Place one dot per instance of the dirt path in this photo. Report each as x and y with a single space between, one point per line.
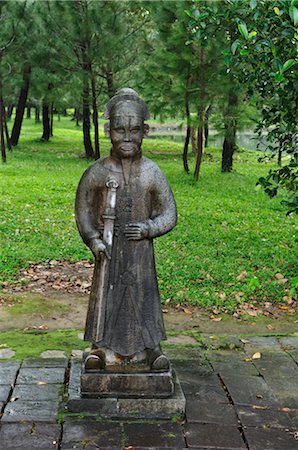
55 295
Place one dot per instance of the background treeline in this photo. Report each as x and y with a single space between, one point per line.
192 60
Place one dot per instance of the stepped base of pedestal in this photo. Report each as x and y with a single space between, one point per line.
114 396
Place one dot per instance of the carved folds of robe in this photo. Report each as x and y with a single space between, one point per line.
133 318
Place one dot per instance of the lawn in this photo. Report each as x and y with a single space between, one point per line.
232 243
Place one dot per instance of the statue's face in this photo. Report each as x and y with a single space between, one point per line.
126 130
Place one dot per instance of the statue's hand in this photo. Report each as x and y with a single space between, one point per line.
98 249
136 231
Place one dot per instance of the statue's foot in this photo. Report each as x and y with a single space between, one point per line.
157 359
95 361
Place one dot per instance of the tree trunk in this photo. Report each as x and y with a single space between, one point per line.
201 115
46 121
229 144
194 140
9 146
9 111
200 148
51 119
206 128
89 152
279 156
187 138
2 140
28 112
16 130
110 83
95 117
37 114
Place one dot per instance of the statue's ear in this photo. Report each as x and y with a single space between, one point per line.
146 129
106 129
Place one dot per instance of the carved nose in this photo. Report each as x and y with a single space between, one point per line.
127 137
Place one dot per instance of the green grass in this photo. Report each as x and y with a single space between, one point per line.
30 344
226 226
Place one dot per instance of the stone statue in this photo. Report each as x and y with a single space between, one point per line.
123 202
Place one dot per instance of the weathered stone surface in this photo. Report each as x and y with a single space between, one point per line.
4 392
153 408
103 407
270 439
154 435
290 342
8 371
232 362
276 365
91 434
183 353
53 354
25 436
210 412
127 384
213 436
199 364
44 362
264 418
38 392
260 343
249 390
43 374
206 392
7 353
124 407
29 411
182 339
193 381
285 389
77 354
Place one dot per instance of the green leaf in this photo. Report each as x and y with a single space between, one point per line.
243 29
243 51
278 77
252 34
253 4
276 10
234 47
288 64
293 11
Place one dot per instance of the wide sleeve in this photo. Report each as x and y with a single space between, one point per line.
87 206
164 213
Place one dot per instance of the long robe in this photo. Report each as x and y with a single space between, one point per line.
133 318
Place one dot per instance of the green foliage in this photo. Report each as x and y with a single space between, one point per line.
225 226
270 69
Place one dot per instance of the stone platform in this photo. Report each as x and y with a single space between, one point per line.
125 395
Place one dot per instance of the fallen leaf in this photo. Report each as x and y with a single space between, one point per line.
270 327
165 311
215 319
259 396
41 382
279 276
256 355
285 307
244 341
242 275
187 311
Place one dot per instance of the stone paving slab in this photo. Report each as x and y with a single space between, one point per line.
4 392
154 435
208 412
29 411
250 390
91 434
45 362
40 392
214 436
53 375
8 371
23 436
270 439
264 418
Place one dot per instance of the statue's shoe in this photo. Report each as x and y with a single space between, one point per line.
157 360
94 363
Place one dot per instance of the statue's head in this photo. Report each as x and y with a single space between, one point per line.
127 113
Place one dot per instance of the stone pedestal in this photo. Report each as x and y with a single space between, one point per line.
152 395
